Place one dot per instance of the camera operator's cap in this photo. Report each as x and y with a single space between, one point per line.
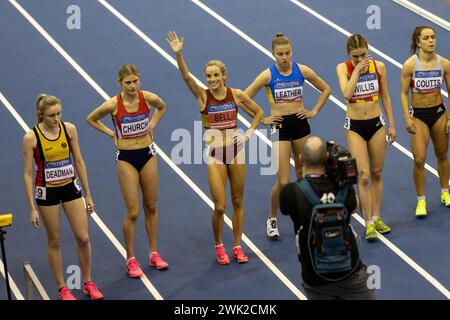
6 220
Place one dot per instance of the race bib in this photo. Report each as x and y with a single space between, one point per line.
222 116
152 149
427 81
77 184
382 119
347 123
288 91
134 126
57 172
40 193
366 87
273 128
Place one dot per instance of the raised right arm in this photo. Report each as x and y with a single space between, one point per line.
177 47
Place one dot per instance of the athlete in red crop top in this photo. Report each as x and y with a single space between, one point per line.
425 114
219 106
363 82
136 158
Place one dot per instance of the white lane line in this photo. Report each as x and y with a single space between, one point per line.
163 156
408 260
14 289
348 34
245 239
400 253
424 13
72 62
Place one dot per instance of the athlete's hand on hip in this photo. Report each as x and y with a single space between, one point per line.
175 43
410 126
273 119
392 134
305 114
35 221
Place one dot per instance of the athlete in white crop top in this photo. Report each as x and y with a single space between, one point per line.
425 114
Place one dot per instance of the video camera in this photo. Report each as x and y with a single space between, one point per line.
6 220
340 165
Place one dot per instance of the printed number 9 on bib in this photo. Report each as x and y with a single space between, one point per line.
40 193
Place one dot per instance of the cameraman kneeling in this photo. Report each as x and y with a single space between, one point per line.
328 252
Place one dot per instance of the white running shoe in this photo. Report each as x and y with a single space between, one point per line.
272 228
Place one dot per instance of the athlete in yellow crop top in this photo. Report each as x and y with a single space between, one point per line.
362 81
52 144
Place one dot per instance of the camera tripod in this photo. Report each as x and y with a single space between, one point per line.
2 242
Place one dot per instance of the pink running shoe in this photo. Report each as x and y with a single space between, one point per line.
158 262
133 269
65 294
91 290
239 255
222 257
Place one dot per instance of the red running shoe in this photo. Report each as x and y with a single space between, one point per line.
91 290
239 255
222 257
158 262
65 294
133 269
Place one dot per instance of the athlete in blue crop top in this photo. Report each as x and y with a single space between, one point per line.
288 116
426 116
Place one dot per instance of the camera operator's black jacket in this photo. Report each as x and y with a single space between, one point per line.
293 202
